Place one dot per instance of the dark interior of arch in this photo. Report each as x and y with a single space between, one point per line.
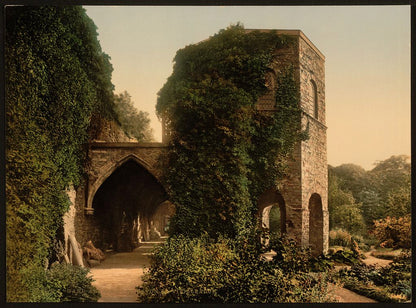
316 227
128 197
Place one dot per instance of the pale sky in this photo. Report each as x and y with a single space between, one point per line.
367 68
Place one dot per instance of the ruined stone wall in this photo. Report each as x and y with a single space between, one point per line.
86 226
313 151
105 158
308 164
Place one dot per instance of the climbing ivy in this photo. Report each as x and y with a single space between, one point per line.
57 78
224 152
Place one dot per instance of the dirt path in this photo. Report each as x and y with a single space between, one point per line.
118 276
370 260
346 296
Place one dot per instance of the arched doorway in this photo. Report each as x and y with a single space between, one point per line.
316 225
272 214
129 196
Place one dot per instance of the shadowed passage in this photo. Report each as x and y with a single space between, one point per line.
130 206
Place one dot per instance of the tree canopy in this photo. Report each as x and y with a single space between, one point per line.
224 152
376 194
136 124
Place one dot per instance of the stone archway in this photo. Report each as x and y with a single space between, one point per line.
129 195
316 224
272 213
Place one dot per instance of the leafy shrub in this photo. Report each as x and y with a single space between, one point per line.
60 283
72 283
393 232
345 256
289 256
339 237
226 271
322 263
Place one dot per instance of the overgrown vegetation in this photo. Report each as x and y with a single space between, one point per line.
223 151
58 85
224 154
385 284
358 195
204 270
61 283
373 207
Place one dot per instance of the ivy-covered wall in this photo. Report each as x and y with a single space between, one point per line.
58 81
224 151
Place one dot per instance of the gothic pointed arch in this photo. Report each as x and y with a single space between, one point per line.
124 206
108 170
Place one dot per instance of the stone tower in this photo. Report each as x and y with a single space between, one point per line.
303 196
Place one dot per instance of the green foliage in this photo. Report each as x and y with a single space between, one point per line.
352 178
275 222
378 193
223 152
61 283
345 213
386 284
371 206
399 201
203 270
72 283
340 237
289 256
133 122
345 256
56 79
377 293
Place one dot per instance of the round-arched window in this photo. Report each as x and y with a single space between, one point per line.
314 95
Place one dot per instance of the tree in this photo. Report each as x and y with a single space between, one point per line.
344 212
390 175
133 122
353 178
399 201
57 78
382 191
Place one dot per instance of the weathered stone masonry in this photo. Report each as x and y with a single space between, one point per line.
301 197
304 192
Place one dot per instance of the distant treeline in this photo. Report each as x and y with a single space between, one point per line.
357 198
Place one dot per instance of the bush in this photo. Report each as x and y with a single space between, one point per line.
345 256
72 283
60 283
203 270
393 232
339 237
387 284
